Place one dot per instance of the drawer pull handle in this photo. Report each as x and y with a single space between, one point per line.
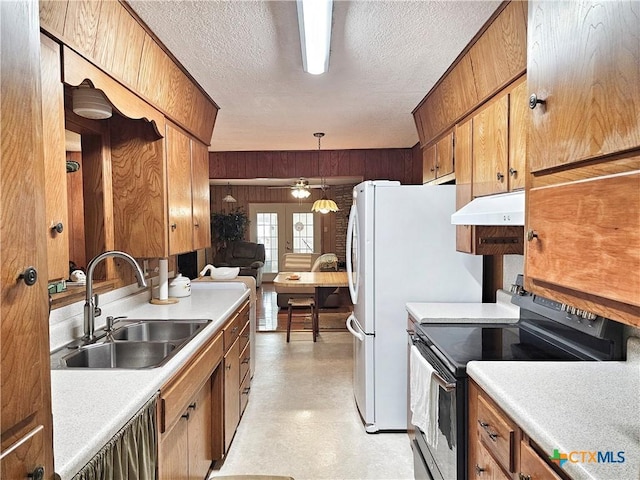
479 470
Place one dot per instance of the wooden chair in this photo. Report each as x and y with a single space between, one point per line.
302 302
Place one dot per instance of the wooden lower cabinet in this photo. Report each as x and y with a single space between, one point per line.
186 412
237 375
231 393
498 448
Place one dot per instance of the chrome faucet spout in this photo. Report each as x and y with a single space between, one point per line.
89 305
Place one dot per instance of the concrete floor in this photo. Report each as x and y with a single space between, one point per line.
302 422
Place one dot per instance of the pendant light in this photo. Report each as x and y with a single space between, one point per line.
229 198
324 205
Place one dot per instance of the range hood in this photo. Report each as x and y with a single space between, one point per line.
501 209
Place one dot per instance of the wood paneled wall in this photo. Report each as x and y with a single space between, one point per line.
333 225
375 164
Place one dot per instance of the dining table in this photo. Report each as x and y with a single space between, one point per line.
324 283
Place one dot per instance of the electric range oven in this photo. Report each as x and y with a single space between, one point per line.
546 330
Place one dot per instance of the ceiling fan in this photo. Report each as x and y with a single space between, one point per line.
302 188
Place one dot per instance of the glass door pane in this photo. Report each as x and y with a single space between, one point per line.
267 233
303 233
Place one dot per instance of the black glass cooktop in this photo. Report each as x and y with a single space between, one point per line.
461 343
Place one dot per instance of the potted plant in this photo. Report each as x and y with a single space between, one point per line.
228 226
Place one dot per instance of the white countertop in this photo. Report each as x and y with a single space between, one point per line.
90 406
503 309
573 407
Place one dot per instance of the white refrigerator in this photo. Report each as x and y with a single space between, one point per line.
401 247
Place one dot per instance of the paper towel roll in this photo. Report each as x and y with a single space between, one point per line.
163 280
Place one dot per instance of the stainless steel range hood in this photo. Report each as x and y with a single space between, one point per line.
501 209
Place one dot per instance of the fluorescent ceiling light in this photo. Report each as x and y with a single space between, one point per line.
314 21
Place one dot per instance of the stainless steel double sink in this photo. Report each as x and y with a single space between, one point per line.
134 344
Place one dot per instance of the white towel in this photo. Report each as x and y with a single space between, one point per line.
424 396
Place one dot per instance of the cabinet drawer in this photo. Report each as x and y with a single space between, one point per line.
245 358
235 325
177 394
245 388
532 466
244 336
497 433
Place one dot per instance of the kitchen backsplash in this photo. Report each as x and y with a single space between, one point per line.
511 267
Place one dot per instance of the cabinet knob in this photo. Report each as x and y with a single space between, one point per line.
513 171
432 169
37 474
479 470
499 176
193 406
197 225
29 276
57 228
186 415
522 476
246 360
437 167
174 226
246 391
534 101
531 234
228 367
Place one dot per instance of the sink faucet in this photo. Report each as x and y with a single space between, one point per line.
89 304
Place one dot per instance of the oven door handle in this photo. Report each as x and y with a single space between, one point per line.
442 383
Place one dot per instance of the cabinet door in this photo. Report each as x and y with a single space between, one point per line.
583 62
200 433
429 163
587 236
518 118
179 191
463 155
231 393
54 160
490 128
532 466
200 192
24 328
444 155
173 452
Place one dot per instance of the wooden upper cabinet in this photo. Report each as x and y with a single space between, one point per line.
583 62
518 121
56 222
490 151
179 190
110 36
429 163
585 238
437 159
499 55
497 58
200 192
464 169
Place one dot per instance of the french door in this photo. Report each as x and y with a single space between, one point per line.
283 228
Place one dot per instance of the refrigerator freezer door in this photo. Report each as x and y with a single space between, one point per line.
363 346
353 265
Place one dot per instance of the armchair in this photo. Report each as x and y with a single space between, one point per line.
248 256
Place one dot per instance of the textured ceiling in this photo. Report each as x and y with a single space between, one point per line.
385 56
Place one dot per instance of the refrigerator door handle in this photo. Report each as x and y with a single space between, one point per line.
358 334
353 290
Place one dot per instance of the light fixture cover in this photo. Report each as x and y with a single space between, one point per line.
314 23
300 192
90 103
324 205
229 198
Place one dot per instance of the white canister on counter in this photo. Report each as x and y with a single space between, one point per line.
180 286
